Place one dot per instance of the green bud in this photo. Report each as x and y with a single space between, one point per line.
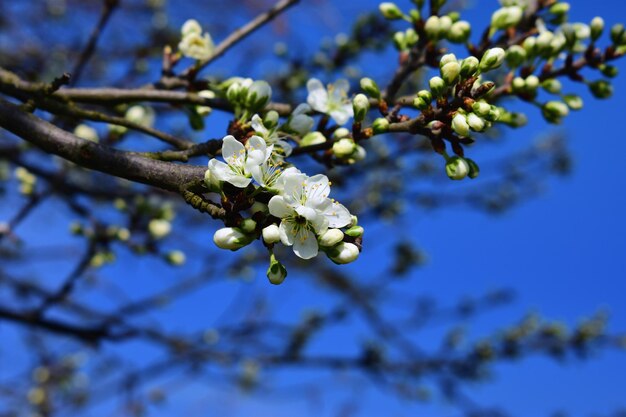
474 170
415 15
618 34
159 228
355 231
506 17
609 70
573 101
518 84
360 105
380 125
276 273
513 119
469 66
437 86
344 147
175 258
552 86
459 32
559 9
515 56
451 72
460 125
313 138
411 37
259 94
532 83
342 132
423 99
330 238
597 27
445 24
233 93
270 120
447 59
481 108
475 122
370 87
457 168
494 114
530 46
492 59
601 89
390 11
455 16
248 225
399 41
554 111
432 27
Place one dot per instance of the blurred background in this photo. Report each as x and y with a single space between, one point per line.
499 296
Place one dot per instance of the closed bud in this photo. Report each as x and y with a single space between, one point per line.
469 66
437 86
420 103
415 15
618 35
191 27
247 226
159 228
475 122
313 138
445 24
411 37
481 108
344 253
459 32
518 84
435 127
342 132
230 238
532 83
506 17
330 238
343 148
601 89
271 234
494 114
390 11
530 46
492 59
234 92
370 87
515 56
457 168
513 119
276 273
355 231
460 125
270 121
399 41
609 70
552 86
380 125
212 182
554 111
597 27
447 58
175 258
474 170
360 105
432 27
573 101
451 72
543 41
559 9
259 94
483 89
86 132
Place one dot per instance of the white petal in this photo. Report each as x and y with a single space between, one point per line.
257 125
301 109
318 96
294 188
286 232
257 172
342 115
223 172
305 244
279 208
341 88
307 212
232 149
317 188
337 215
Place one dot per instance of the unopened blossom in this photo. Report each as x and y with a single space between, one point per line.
239 160
333 101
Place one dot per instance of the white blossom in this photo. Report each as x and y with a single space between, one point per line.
240 160
333 101
271 136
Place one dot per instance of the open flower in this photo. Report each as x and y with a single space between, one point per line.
196 46
240 160
305 212
333 101
271 137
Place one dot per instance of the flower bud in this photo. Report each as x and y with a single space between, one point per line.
230 238
259 94
554 111
432 27
445 24
234 92
513 119
506 17
360 105
494 114
191 27
492 59
609 70
355 231
518 84
359 154
515 56
380 125
559 9
597 27
552 86
481 108
601 89
532 83
617 34
141 115
271 234
175 258
276 273
399 41
370 87
344 253
459 32
460 125
476 123
530 46
159 228
342 132
411 37
205 110
543 41
573 101
330 238
86 132
270 121
390 11
248 225
344 147
457 168
469 66
474 170
446 59
450 72
415 15
437 86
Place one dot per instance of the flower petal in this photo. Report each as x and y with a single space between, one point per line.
337 215
279 208
223 172
318 96
342 115
287 233
233 151
258 126
305 244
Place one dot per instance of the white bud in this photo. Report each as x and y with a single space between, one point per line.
276 272
271 234
459 32
190 27
159 228
86 132
230 238
175 257
141 115
361 106
460 125
506 17
390 11
330 238
344 147
492 59
259 94
476 123
344 253
457 168
450 72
